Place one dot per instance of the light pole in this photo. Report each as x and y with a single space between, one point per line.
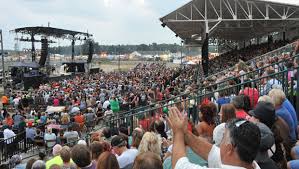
2 55
182 53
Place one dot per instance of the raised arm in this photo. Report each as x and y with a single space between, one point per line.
198 144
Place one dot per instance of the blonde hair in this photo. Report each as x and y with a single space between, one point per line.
277 96
150 142
265 98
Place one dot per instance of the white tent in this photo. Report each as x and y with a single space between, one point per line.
190 63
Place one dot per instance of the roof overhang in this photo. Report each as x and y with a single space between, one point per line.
236 20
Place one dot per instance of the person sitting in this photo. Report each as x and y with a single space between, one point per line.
50 138
30 132
126 156
71 135
148 160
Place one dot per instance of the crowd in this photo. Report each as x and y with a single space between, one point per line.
247 129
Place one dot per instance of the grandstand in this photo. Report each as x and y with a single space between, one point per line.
135 104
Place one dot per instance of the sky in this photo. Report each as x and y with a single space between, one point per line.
110 21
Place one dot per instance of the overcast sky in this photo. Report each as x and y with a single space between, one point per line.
110 21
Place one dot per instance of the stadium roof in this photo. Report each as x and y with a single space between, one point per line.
231 19
50 31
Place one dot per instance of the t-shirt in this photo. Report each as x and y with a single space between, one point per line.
127 158
241 114
214 161
49 136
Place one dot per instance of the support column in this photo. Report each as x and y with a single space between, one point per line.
73 49
205 55
270 40
32 48
284 36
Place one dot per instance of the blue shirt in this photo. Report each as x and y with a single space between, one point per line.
223 100
30 133
288 105
286 116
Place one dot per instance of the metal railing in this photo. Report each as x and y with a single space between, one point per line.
276 52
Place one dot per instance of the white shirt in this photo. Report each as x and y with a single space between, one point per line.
49 136
214 161
7 133
127 157
106 104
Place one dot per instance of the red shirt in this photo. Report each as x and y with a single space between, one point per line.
56 102
159 96
241 114
252 93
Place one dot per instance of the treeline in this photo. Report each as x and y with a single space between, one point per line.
114 49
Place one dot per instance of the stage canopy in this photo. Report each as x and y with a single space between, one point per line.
236 20
50 31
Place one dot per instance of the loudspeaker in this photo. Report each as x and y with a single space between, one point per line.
44 52
90 51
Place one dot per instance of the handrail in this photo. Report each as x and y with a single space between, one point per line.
257 57
248 73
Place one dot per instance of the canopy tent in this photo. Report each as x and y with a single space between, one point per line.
231 19
190 63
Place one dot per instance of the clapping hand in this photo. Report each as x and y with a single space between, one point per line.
176 120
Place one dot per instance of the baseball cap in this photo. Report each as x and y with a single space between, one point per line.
118 141
265 112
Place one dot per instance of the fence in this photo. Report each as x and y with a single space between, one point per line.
276 52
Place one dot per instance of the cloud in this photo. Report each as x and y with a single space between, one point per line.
111 21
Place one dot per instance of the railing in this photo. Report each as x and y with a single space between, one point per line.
132 120
16 145
276 52
255 73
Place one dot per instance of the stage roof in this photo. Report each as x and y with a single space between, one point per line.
50 31
235 20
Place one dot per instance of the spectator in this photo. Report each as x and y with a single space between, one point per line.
150 142
39 164
267 142
206 126
50 138
82 157
56 157
148 160
8 134
238 102
71 134
107 161
278 98
96 149
137 135
227 113
16 162
126 156
30 163
30 132
65 155
240 133
264 112
251 92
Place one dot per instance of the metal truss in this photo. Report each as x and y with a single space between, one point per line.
237 14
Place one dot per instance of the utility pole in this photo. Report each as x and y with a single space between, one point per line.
2 54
